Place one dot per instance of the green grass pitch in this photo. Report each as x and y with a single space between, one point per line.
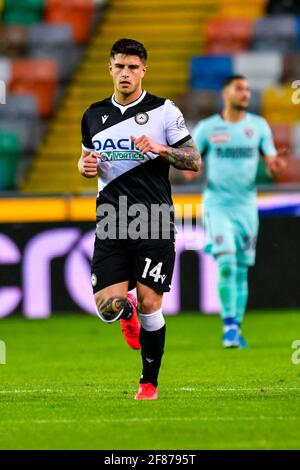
69 383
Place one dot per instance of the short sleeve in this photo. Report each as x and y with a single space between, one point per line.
200 137
87 143
176 130
266 144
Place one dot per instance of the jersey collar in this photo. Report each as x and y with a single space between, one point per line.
124 107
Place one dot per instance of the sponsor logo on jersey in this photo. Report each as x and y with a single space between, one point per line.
104 118
141 118
220 138
117 149
235 152
117 155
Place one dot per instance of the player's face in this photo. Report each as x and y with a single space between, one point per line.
237 95
127 72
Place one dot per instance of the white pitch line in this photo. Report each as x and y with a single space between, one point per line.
45 390
151 420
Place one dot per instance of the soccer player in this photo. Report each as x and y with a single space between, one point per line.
129 140
232 143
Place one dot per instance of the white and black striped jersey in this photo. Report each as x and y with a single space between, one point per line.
124 170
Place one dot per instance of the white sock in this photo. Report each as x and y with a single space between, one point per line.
152 321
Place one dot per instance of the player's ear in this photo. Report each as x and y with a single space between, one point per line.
144 69
110 67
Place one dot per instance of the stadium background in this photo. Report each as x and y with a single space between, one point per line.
53 59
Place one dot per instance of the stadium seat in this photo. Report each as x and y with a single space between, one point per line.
23 12
277 106
298 32
5 69
227 36
275 7
237 9
197 104
261 68
53 41
291 68
37 77
9 158
13 40
275 33
209 72
78 13
20 115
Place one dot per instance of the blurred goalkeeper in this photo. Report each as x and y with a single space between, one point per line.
232 143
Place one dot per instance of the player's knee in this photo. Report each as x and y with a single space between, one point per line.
148 305
227 266
110 309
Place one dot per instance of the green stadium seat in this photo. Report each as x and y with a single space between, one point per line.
9 159
23 12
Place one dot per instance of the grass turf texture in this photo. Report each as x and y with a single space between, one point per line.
69 383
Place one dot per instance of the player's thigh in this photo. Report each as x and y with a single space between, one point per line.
154 263
219 231
247 225
111 265
149 300
111 292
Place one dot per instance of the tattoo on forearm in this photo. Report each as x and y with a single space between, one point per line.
186 157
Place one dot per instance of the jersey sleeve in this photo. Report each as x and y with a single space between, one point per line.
266 145
176 131
87 143
200 137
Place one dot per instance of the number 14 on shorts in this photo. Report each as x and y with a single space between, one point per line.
155 271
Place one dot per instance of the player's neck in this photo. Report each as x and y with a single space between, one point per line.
127 99
233 115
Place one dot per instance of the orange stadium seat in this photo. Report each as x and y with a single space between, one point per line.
78 13
37 77
13 40
227 36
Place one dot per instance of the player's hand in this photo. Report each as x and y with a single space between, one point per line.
144 144
275 165
89 165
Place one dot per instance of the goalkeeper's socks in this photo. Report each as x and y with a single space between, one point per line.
152 340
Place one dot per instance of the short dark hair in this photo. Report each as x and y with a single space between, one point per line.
231 78
129 47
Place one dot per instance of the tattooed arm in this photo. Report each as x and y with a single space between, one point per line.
185 157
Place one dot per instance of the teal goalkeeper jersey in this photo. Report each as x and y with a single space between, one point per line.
231 153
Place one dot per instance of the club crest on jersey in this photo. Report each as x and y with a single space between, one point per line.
141 118
248 132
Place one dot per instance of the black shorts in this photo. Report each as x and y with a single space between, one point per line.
150 262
